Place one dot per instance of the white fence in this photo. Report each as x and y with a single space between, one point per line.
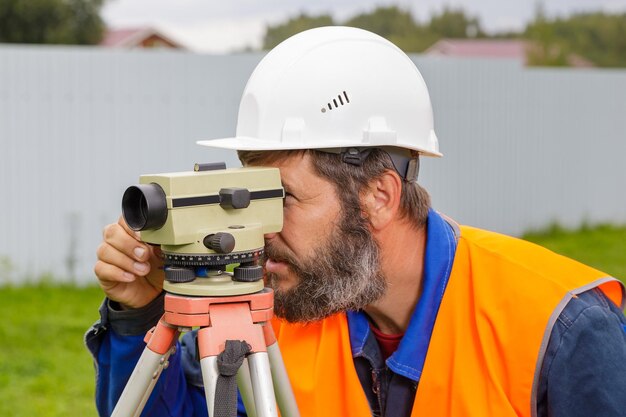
523 147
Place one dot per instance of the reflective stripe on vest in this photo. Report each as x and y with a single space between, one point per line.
487 347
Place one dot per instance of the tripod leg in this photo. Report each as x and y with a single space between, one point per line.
284 394
209 377
244 382
282 386
147 371
264 399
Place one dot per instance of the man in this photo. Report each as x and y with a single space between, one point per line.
407 313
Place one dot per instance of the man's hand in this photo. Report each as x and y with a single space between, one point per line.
129 271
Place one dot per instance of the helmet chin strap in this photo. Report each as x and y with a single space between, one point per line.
405 162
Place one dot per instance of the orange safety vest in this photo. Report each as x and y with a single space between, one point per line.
487 345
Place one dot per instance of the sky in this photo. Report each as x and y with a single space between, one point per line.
214 26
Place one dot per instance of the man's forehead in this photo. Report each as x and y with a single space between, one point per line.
298 173
296 166
270 158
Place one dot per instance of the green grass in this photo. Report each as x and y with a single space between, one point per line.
45 370
603 246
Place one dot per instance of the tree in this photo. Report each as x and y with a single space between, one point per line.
51 21
599 37
386 22
455 24
545 49
396 25
392 23
276 34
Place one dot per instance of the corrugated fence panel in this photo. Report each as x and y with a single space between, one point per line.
523 147
527 147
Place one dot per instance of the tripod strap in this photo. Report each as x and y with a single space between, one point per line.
228 363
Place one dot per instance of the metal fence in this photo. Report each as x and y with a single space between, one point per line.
523 147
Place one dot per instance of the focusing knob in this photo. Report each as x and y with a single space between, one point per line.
220 242
179 274
234 198
248 273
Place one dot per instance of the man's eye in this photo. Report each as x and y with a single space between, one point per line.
288 197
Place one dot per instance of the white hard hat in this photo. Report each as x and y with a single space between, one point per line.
334 87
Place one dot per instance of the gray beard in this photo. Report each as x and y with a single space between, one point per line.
344 274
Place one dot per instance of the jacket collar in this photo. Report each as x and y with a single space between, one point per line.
409 359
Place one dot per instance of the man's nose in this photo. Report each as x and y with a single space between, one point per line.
269 236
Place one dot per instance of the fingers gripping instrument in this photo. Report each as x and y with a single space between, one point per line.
204 221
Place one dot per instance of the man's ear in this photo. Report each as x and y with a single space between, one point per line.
381 199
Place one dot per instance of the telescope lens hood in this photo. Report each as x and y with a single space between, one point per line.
144 206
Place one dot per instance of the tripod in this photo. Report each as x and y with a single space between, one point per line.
222 312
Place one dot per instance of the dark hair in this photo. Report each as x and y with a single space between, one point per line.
349 180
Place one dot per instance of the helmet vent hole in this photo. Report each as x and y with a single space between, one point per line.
341 102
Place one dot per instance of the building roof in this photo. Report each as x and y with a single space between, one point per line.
483 48
138 38
493 48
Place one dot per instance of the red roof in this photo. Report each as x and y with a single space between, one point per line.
114 37
493 48
480 48
134 37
